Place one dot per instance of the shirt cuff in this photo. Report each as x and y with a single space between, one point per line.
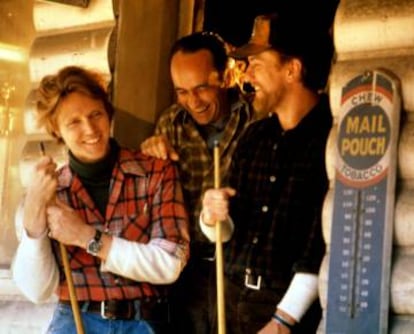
302 292
210 230
39 245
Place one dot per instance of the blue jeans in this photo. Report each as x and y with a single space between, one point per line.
63 323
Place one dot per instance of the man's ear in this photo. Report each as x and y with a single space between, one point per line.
294 70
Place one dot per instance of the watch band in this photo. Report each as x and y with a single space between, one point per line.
98 235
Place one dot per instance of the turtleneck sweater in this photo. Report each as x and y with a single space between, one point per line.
96 176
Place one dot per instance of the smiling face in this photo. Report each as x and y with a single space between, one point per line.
198 85
269 76
83 124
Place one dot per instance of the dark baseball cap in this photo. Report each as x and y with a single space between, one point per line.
288 34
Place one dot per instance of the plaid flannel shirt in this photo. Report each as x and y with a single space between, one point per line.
196 163
145 202
280 179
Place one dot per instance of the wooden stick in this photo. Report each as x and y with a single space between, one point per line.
221 312
72 292
68 275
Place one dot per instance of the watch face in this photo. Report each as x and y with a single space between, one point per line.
95 245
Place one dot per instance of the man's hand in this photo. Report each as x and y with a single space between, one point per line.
40 192
42 188
66 226
159 147
216 205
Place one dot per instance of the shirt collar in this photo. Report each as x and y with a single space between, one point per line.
127 164
318 115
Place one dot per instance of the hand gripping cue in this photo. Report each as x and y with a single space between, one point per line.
68 275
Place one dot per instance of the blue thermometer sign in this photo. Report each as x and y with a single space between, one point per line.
363 209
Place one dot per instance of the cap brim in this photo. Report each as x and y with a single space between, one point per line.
248 49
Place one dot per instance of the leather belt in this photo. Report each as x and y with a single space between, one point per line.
152 309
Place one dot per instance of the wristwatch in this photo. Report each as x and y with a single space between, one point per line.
95 244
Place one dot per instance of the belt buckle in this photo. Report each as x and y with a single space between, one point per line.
255 286
103 312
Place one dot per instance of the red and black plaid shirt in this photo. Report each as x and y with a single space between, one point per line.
145 202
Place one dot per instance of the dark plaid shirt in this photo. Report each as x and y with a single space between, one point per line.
281 182
196 160
145 202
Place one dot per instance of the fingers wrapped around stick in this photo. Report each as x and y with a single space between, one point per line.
216 205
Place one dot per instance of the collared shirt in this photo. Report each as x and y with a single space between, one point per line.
145 206
196 163
281 181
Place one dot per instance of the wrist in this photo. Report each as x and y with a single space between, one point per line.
283 321
85 237
36 234
206 219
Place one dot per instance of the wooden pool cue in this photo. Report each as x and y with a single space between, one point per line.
66 267
221 312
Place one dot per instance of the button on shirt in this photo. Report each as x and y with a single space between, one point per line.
281 182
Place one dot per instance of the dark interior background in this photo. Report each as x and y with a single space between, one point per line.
233 19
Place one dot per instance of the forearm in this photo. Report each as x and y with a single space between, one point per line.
153 262
34 268
302 292
33 217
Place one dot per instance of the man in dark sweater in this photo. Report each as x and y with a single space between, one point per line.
277 184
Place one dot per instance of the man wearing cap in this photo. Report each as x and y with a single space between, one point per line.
277 184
